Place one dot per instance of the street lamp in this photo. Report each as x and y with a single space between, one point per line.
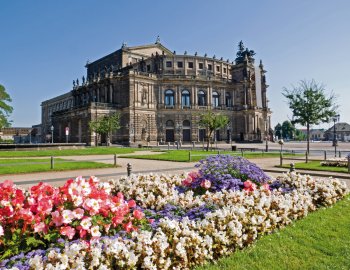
335 119
266 137
52 128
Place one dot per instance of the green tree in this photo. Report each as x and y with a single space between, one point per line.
288 130
310 105
278 131
211 122
106 125
5 108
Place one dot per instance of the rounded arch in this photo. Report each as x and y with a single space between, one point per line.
185 98
215 99
169 97
186 124
202 98
169 124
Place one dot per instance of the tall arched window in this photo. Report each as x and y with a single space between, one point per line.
215 99
185 98
169 124
228 100
202 98
169 98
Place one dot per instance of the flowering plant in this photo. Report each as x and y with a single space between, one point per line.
80 209
225 172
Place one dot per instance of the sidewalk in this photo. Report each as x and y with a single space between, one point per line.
144 166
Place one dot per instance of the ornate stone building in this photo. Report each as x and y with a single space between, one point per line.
160 94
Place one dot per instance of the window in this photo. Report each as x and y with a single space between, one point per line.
169 98
169 64
190 64
225 70
228 100
200 65
218 68
148 68
180 64
185 98
186 123
215 99
201 98
210 67
169 124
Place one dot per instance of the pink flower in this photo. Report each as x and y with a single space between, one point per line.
86 223
128 227
266 186
151 220
78 213
57 218
92 205
193 175
1 231
249 186
138 214
118 219
68 231
67 216
187 182
206 184
131 203
40 227
95 231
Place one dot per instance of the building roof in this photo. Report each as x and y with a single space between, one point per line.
340 127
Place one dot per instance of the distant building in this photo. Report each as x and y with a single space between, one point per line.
316 134
342 132
159 95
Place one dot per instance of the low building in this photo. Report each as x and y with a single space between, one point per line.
342 132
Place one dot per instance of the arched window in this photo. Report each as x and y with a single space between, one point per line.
185 98
228 100
169 124
186 124
202 98
215 99
169 98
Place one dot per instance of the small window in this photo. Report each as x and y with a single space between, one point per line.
180 64
190 64
225 70
169 64
210 67
200 65
218 68
148 67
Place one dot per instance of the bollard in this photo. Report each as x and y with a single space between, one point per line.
52 163
128 169
292 167
306 157
339 154
193 145
281 159
189 156
218 152
325 155
115 160
168 145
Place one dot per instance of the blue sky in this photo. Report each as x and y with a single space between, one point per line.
44 45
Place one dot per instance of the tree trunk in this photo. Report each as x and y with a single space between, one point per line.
208 139
308 138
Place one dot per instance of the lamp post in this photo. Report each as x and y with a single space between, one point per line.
266 137
52 128
335 119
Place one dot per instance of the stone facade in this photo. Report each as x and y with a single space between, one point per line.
160 94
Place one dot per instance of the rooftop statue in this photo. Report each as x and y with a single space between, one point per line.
244 53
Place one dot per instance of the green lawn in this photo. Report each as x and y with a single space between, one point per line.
316 166
183 155
69 152
16 166
319 241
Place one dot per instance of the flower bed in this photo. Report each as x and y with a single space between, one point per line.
335 162
195 218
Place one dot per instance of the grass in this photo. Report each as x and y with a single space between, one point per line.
16 166
316 166
319 241
69 152
183 155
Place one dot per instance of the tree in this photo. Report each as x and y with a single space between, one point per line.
310 105
106 125
211 122
278 131
288 130
5 108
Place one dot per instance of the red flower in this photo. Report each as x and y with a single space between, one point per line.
138 214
